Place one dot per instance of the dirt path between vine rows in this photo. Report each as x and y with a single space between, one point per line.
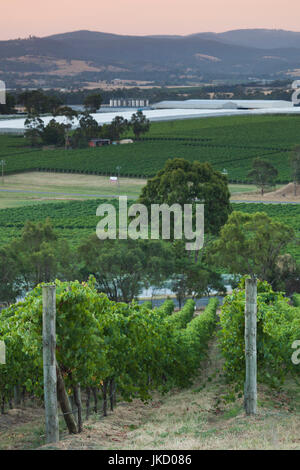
197 418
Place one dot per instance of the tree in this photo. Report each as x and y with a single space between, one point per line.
54 133
69 114
88 129
53 104
118 126
9 289
140 124
295 167
36 102
123 267
287 277
184 182
192 277
251 244
263 174
9 106
34 128
40 256
92 102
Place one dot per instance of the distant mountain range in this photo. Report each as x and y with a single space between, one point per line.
81 57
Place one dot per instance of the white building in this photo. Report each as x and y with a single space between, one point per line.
223 104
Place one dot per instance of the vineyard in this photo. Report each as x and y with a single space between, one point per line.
120 352
103 345
231 143
278 327
109 353
76 220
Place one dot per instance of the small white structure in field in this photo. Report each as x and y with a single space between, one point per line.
126 141
113 179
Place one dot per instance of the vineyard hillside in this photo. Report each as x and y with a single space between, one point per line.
229 143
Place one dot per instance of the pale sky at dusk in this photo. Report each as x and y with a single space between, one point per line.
19 18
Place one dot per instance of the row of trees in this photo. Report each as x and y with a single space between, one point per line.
240 243
122 268
38 102
60 133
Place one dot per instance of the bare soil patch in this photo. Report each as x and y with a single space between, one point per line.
284 194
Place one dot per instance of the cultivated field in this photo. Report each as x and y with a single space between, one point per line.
229 143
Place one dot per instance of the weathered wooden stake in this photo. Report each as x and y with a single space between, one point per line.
65 404
250 393
78 403
49 363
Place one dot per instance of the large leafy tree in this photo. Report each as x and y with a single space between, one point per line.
53 133
251 244
40 256
34 128
69 115
263 174
140 124
117 127
184 182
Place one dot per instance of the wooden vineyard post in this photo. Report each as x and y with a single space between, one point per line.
250 393
49 363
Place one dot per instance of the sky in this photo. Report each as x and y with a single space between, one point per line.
21 18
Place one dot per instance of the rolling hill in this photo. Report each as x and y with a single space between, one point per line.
86 56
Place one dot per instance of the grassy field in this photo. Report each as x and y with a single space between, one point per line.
228 143
40 187
190 419
29 188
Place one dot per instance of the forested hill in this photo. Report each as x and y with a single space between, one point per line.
92 56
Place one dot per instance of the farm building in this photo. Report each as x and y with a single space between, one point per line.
99 142
223 104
